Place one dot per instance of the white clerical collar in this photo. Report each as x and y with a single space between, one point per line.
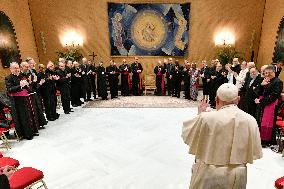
227 106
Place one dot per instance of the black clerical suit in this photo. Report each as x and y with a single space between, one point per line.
186 81
177 78
49 95
92 80
220 78
250 91
64 88
137 83
85 85
206 80
76 82
113 73
169 67
101 82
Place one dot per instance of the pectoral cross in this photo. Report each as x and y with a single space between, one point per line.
93 55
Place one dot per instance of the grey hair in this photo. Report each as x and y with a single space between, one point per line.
13 63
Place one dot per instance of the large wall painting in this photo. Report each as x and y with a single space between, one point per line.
149 29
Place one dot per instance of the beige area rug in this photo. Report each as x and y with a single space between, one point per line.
143 102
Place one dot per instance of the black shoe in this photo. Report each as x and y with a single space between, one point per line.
67 112
51 119
89 99
28 138
36 134
57 116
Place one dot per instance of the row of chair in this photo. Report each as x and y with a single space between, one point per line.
23 178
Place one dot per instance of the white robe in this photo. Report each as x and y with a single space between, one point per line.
223 142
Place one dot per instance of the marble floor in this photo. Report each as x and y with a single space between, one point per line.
124 148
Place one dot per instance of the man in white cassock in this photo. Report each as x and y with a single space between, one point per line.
223 142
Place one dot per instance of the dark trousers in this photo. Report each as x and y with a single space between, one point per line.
176 89
135 85
159 85
75 94
93 86
169 86
124 85
187 90
50 103
65 100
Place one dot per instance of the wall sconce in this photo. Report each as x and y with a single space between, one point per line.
224 38
72 39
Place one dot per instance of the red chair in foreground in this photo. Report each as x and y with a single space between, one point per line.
279 183
27 177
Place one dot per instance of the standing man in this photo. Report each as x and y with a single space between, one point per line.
250 91
85 84
177 78
137 84
34 84
222 145
64 87
112 74
205 76
271 88
218 77
160 70
186 80
125 71
92 78
22 104
169 67
76 82
49 93
102 87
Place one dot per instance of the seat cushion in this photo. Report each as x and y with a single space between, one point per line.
25 177
4 161
280 124
3 130
279 183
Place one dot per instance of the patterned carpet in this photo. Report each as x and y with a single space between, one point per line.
143 102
